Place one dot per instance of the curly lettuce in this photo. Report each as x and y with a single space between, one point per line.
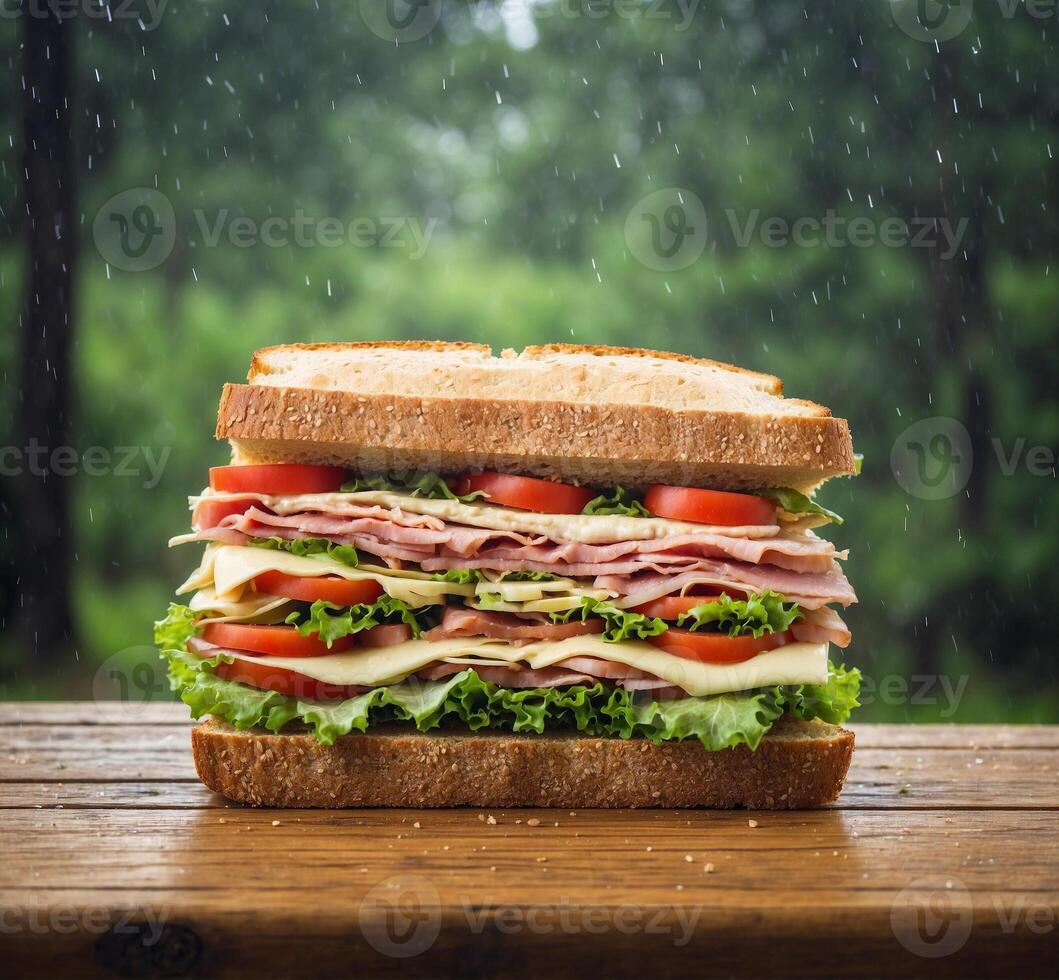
620 501
468 576
619 624
794 502
765 612
330 622
417 484
465 700
345 554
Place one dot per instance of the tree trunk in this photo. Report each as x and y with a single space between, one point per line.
44 549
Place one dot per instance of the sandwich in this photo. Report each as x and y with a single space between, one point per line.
567 577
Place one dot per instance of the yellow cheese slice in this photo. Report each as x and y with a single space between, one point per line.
796 663
229 568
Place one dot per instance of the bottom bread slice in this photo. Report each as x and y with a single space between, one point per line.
797 765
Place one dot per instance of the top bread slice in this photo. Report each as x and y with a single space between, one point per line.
592 415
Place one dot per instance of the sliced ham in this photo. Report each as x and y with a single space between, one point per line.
387 635
799 553
450 545
457 621
822 625
811 591
517 677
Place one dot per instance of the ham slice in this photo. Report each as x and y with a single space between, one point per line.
457 621
810 591
822 625
517 677
451 545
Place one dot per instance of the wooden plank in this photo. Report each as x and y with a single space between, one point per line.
94 713
787 896
944 736
894 778
878 779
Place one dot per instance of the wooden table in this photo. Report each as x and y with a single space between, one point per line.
941 858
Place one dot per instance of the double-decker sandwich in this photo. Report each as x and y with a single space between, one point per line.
574 576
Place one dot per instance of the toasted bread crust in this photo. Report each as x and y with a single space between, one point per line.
797 765
631 445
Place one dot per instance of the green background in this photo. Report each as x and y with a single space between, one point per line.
529 132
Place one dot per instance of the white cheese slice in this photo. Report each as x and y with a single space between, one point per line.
251 607
796 663
230 568
582 528
227 570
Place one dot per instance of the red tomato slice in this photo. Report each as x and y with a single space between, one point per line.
274 641
330 588
263 675
527 493
713 648
209 513
671 606
708 506
277 478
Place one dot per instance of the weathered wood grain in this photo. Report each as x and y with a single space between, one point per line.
109 842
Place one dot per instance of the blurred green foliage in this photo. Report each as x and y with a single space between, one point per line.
528 139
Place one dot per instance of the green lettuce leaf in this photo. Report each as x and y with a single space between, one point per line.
620 623
794 502
620 501
466 576
416 483
346 554
332 622
766 612
172 632
461 576
465 700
